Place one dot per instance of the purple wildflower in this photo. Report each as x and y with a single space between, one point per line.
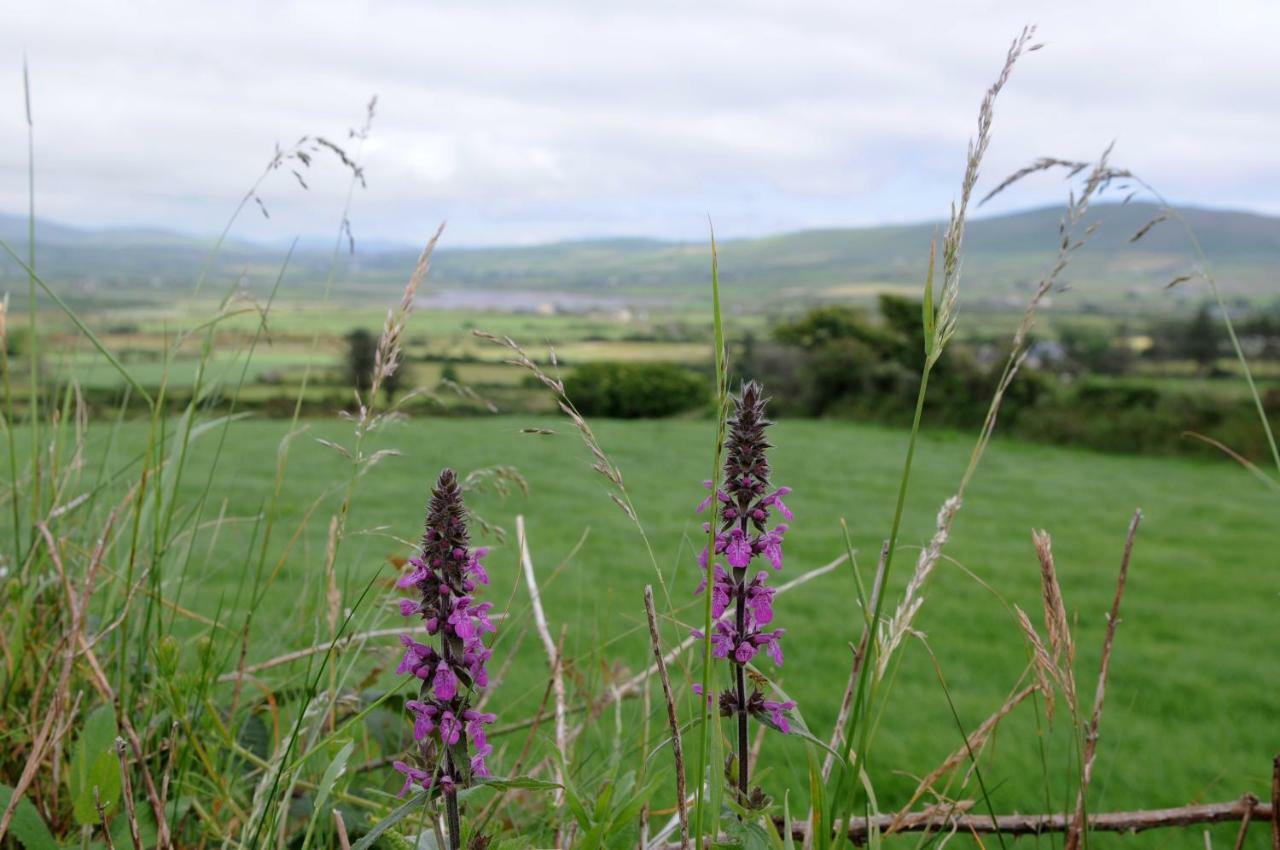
746 503
451 742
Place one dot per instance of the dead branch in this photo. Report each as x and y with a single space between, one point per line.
1041 824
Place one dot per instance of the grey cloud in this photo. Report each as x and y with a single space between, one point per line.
523 121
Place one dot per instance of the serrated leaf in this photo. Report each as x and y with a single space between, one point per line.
95 765
26 825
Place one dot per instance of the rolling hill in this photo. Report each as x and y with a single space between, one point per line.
1004 256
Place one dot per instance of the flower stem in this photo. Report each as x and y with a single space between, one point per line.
451 808
739 672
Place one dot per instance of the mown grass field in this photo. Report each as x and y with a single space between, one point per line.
1190 706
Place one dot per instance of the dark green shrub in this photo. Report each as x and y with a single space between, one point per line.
635 390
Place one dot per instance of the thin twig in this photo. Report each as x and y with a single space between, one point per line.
1244 828
1091 738
126 791
672 718
102 819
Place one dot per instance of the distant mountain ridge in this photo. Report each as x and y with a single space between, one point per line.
1003 257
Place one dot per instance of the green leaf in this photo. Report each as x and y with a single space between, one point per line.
749 835
95 765
26 826
525 782
788 842
398 814
331 773
627 813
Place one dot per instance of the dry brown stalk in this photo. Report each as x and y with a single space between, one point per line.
1091 737
673 718
976 740
855 668
554 658
1244 827
126 791
102 820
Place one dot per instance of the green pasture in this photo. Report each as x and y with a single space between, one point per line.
1190 705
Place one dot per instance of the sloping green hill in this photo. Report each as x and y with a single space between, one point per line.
1004 256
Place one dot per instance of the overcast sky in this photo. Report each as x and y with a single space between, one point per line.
534 121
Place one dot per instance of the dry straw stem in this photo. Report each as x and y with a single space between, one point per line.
859 656
1091 737
554 656
340 827
673 718
976 741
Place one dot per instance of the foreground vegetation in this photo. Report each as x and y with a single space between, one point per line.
198 648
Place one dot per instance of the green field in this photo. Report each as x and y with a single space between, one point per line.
1191 698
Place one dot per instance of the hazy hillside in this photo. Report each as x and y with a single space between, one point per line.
1005 254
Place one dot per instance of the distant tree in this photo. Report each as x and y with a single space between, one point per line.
1091 350
635 390
362 354
1201 339
362 350
822 325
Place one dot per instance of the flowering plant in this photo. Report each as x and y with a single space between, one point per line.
746 504
451 745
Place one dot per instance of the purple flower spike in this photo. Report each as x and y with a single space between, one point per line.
740 608
450 734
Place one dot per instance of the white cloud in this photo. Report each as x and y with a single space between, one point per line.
533 121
